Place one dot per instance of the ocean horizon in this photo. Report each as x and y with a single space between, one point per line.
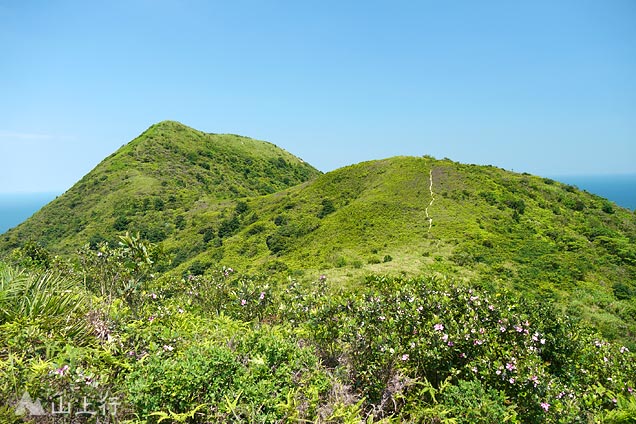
620 189
15 208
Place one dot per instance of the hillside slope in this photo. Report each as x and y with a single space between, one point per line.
224 200
148 184
421 215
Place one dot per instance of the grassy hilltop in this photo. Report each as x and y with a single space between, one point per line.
150 182
407 289
493 227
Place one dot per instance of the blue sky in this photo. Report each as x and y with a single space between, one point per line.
546 87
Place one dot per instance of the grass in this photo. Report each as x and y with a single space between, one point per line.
225 200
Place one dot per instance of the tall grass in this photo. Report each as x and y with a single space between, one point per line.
47 298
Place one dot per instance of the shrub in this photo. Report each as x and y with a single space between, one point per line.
200 374
229 226
198 267
470 402
241 207
180 222
208 234
607 208
121 223
280 220
489 197
327 208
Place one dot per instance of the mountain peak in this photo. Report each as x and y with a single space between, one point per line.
205 196
158 176
169 124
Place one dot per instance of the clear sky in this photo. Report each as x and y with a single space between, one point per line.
546 87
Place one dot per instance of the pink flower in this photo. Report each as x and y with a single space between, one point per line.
405 357
61 370
512 380
450 343
243 302
623 349
438 327
262 296
510 367
445 337
545 406
502 329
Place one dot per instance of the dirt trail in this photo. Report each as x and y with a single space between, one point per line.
430 188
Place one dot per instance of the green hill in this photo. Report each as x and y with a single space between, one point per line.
408 289
424 216
148 184
224 200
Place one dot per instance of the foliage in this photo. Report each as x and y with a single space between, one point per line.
45 299
237 348
239 202
122 271
165 173
400 290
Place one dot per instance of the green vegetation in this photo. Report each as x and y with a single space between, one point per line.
489 226
154 182
195 277
226 347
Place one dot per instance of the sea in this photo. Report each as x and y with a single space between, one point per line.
621 189
17 207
